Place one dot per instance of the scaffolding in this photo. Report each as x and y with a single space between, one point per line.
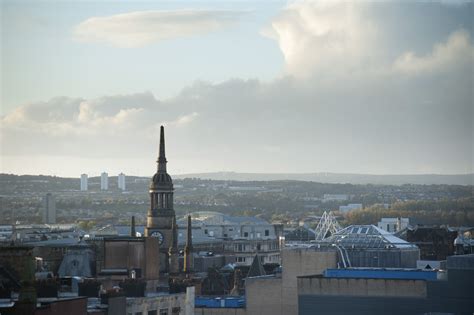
327 226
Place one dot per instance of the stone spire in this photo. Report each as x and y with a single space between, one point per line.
188 249
133 232
256 269
173 249
162 157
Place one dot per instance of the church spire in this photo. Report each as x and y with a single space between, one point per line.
188 249
173 249
162 158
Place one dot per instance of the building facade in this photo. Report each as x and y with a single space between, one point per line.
49 209
84 182
393 292
121 181
393 225
104 181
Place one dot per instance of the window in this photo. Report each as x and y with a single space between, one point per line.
138 313
175 310
152 312
246 234
241 259
259 247
267 232
231 229
164 311
225 235
205 231
240 247
258 235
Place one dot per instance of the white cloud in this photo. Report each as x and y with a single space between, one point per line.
324 37
370 117
457 51
334 39
137 29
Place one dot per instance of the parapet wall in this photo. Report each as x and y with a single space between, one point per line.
362 287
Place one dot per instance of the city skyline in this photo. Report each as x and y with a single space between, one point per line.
270 87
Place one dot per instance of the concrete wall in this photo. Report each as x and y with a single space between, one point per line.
264 296
18 260
152 257
220 311
279 296
124 254
301 262
164 302
75 306
362 287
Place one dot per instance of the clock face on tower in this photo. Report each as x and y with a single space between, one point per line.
158 235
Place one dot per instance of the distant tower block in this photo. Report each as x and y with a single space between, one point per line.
49 209
104 181
84 180
121 181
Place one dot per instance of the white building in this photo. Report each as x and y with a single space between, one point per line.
350 207
121 181
49 209
242 237
335 197
84 180
104 181
393 225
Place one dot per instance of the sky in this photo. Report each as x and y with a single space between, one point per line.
379 87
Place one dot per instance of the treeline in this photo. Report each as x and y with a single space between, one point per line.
459 212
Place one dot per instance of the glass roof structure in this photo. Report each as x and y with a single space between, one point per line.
366 237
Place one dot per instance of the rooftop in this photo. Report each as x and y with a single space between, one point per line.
366 236
217 218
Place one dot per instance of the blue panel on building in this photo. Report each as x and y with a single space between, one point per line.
373 273
219 302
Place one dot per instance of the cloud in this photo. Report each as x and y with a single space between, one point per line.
456 51
321 37
138 29
348 102
333 39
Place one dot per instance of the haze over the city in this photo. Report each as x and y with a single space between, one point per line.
265 87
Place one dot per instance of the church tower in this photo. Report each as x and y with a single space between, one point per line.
161 214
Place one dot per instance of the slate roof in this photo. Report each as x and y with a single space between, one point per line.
256 269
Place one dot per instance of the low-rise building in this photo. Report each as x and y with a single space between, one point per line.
350 207
385 291
393 225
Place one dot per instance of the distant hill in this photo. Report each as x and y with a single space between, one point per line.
339 178
328 178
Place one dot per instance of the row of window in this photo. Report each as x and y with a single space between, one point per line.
274 258
253 247
163 311
246 234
